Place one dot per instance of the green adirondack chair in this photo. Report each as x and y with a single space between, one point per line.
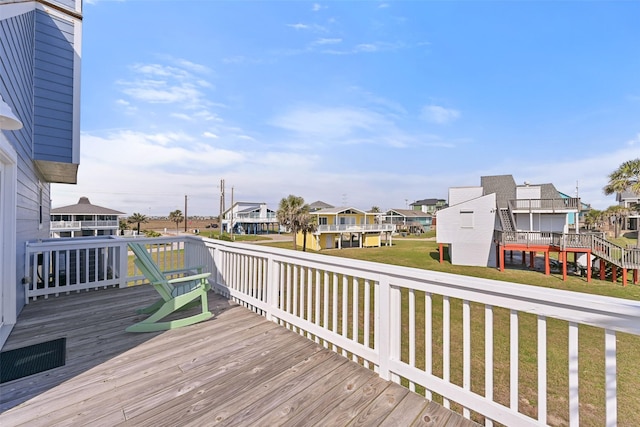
178 289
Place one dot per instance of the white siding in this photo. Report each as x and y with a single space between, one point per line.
470 243
462 194
531 192
541 222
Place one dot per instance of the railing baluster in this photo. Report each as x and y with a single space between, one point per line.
355 314
488 357
345 310
446 345
574 395
610 382
428 339
412 334
542 369
513 360
466 352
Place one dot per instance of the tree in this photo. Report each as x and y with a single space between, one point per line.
616 216
123 226
177 217
625 178
289 211
137 218
593 219
308 224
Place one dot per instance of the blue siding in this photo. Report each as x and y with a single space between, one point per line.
16 87
53 89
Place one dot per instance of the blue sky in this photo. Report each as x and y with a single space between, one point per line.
356 103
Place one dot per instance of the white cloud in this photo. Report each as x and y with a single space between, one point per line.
210 135
327 41
634 141
439 115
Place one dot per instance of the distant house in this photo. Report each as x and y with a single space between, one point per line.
346 227
467 226
429 205
40 60
249 218
84 219
631 201
411 221
317 205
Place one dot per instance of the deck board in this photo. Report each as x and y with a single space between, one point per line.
234 369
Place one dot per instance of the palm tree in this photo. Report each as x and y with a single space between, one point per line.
137 218
177 217
625 178
288 214
308 224
616 215
593 219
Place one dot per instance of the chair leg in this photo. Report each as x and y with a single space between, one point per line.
152 323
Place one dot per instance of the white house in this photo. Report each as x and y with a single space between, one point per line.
39 90
250 218
84 219
467 226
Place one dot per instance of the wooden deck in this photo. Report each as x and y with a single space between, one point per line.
235 369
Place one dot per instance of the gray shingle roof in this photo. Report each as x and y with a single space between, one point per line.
84 207
504 186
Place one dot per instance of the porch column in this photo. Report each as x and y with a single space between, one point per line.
635 276
547 269
501 258
440 249
564 265
589 267
532 260
524 260
360 237
624 276
603 271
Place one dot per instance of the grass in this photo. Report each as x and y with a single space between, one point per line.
424 254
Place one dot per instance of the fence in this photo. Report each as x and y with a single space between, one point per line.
494 351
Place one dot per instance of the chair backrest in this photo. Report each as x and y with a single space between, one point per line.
150 269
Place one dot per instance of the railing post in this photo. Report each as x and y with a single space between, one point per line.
272 287
123 265
385 327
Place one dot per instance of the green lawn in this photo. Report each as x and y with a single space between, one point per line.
424 254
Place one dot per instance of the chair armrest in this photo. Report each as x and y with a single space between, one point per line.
189 278
197 268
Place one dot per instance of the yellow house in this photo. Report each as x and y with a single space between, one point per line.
346 227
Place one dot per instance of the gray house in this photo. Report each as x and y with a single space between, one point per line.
467 226
40 89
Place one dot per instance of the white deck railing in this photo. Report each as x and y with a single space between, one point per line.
354 228
479 346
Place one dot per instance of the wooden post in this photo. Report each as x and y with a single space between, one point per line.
501 258
524 261
547 269
564 265
532 260
624 276
603 271
635 276
614 273
440 249
589 267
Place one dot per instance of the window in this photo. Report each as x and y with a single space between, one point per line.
40 206
322 220
466 219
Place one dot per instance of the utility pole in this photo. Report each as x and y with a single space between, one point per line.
232 213
220 216
186 217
